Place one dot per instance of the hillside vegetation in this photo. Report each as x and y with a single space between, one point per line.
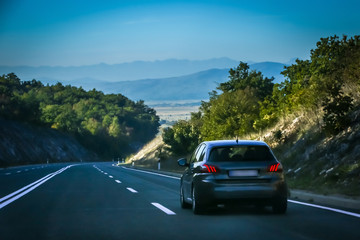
311 119
109 125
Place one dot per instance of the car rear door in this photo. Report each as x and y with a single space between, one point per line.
190 171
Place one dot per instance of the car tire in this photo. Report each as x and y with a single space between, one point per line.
197 207
183 204
279 205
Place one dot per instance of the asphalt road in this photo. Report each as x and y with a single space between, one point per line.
101 201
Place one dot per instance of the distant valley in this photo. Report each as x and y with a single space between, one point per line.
159 81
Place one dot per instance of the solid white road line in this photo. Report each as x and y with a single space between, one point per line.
131 190
326 208
164 209
21 192
292 201
22 189
158 174
117 181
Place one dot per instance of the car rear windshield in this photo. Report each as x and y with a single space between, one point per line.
240 154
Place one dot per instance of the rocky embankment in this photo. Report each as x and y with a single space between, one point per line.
25 144
312 161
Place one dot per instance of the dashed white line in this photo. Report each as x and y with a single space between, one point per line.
111 176
292 201
8 173
164 209
18 172
131 190
158 174
105 173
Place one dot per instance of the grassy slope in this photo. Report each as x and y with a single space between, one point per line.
316 162
312 161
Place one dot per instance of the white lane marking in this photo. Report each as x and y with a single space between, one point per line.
117 181
7 173
326 208
158 174
33 169
111 176
131 190
164 209
26 170
105 173
18 172
296 202
25 190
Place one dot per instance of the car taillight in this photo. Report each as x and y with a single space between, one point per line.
206 168
275 168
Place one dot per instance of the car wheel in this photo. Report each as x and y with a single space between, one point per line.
197 207
183 204
280 205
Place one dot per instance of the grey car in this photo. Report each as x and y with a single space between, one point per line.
232 171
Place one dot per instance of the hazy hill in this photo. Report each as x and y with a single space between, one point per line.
190 87
270 69
194 86
168 80
119 72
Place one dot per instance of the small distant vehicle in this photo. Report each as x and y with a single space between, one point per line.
232 171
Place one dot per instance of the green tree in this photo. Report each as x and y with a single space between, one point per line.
115 128
241 78
336 111
104 123
231 114
66 120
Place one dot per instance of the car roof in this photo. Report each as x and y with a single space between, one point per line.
220 143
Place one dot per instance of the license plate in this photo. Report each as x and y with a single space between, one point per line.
243 173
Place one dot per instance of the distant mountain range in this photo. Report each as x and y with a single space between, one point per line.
189 87
120 72
167 80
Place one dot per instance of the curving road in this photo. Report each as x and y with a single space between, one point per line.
101 201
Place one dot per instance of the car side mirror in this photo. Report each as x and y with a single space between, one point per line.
182 162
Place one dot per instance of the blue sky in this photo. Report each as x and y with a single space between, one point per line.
43 32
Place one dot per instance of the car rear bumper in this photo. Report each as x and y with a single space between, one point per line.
211 190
